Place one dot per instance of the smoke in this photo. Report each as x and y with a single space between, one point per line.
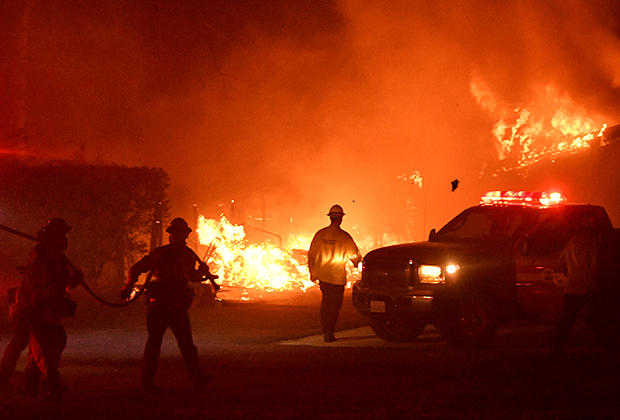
290 107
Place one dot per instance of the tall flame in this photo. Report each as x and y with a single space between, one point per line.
554 125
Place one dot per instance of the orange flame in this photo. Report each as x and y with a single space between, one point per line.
253 268
257 266
558 127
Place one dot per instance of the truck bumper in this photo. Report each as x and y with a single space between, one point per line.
375 304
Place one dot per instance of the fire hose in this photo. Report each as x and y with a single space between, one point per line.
82 282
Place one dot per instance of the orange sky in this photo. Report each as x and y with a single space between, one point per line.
290 108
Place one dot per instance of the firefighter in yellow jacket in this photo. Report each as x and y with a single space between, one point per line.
329 252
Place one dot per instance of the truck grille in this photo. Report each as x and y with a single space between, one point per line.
389 274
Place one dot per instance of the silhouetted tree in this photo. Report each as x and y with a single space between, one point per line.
111 208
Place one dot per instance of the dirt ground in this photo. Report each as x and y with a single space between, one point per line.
256 377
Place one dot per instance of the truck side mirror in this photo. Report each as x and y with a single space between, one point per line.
431 235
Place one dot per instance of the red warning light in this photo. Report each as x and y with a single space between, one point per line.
523 198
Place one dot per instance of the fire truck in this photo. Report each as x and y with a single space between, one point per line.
493 263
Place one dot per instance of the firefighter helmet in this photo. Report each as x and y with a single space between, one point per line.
179 226
54 227
336 210
54 234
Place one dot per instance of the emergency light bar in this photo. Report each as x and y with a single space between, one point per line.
523 198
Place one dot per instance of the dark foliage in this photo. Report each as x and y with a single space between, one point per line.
112 210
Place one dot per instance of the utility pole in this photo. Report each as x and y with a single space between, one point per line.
195 240
425 211
156 227
264 211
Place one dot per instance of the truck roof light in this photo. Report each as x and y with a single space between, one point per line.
522 198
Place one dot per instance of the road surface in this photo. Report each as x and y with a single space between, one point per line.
268 361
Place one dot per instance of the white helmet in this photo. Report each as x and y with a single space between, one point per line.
336 210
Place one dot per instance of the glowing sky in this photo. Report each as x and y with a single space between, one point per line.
290 107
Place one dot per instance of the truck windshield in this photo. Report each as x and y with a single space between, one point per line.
482 223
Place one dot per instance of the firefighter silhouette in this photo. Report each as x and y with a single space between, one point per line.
169 297
40 304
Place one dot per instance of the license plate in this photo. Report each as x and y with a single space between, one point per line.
377 306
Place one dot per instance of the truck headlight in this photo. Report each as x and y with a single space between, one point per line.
452 268
430 274
433 274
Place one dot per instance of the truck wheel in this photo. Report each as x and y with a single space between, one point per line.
397 330
469 324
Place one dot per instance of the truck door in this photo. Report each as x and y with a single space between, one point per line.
536 260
